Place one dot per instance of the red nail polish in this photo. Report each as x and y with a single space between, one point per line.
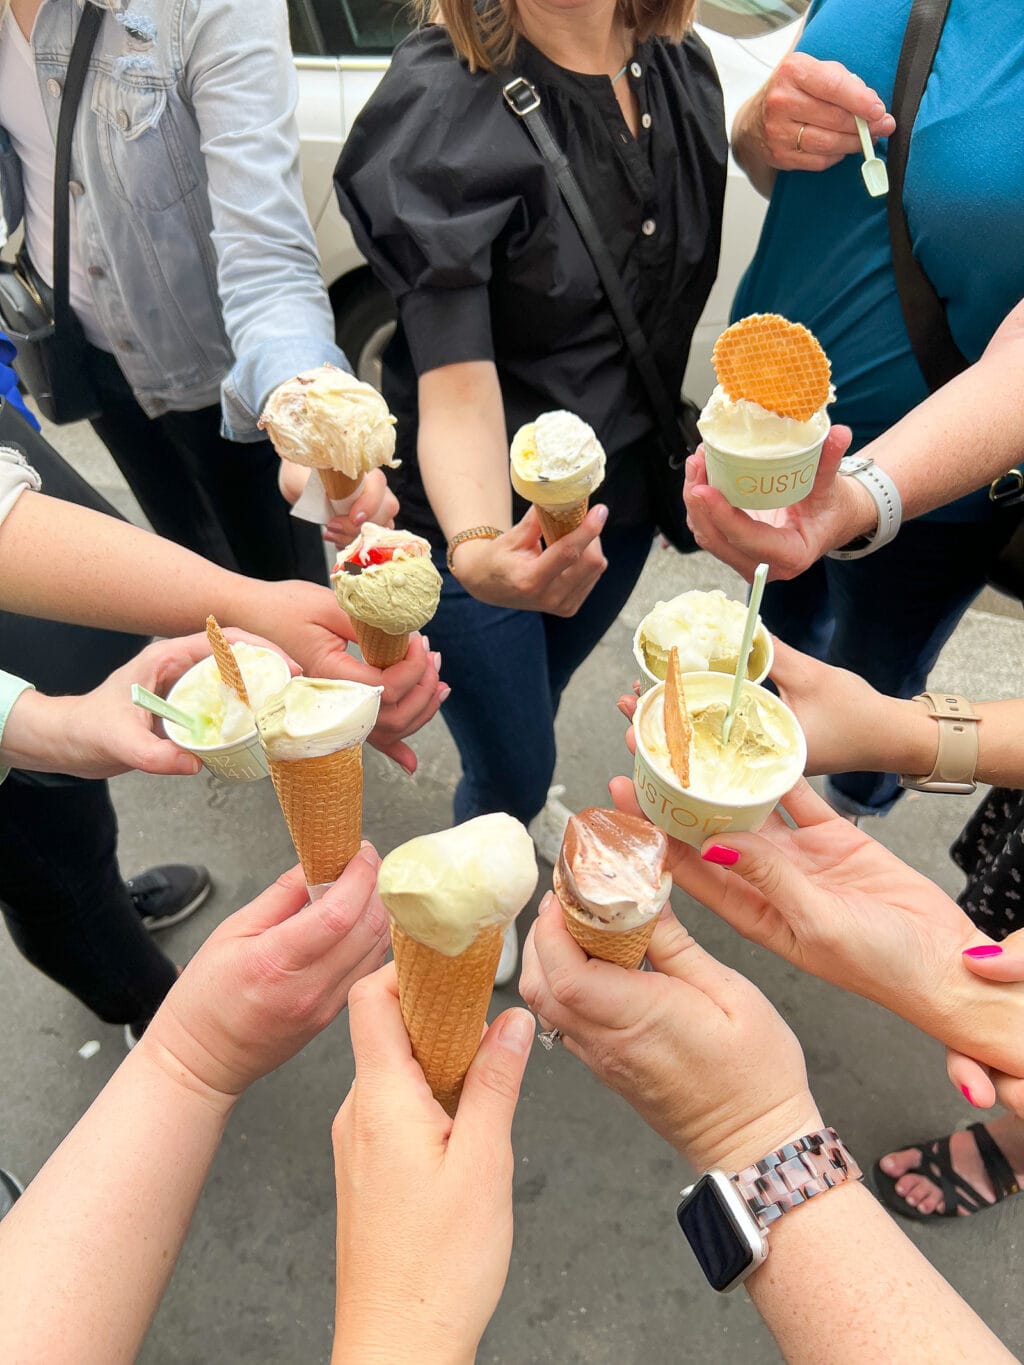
983 950
724 857
966 1094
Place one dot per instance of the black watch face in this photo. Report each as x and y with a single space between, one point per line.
707 1225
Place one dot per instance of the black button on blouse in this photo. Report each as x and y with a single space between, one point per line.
461 220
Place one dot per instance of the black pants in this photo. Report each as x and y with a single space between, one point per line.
61 892
217 497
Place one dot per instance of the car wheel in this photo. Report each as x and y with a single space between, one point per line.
364 322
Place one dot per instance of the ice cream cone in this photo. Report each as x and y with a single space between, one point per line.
556 522
322 801
338 485
444 1005
626 949
380 650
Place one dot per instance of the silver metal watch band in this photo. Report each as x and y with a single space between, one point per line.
787 1178
886 497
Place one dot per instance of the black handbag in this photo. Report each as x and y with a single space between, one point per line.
59 659
51 359
938 355
676 419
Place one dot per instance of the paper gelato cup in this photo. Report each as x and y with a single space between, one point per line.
243 759
762 482
759 665
685 814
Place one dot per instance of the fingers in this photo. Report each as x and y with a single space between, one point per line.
417 670
285 898
161 757
737 538
569 557
350 913
626 705
833 84
491 1089
971 1079
674 952
805 807
997 961
375 503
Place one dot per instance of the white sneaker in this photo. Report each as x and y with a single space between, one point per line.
547 829
509 960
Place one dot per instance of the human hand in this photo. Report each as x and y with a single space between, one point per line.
102 733
308 622
424 1201
981 1085
821 98
788 539
375 503
515 570
694 1047
828 898
269 979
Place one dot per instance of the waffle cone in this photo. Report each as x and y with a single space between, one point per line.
556 522
626 947
778 364
380 650
338 485
322 801
444 1004
227 664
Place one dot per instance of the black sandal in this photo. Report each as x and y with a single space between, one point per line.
957 1193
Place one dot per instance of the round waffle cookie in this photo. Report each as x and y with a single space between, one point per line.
779 364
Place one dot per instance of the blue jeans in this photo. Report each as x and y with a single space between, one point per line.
507 670
886 617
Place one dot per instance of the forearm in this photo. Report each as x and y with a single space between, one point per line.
463 447
965 434
110 1209
842 1283
748 145
34 737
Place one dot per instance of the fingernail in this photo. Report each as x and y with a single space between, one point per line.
435 657
426 643
983 950
602 514
724 857
549 903
359 518
188 766
444 693
369 855
966 1094
517 1032
877 109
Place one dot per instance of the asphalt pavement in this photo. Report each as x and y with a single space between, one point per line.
599 1275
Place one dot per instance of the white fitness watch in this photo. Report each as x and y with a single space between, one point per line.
886 497
726 1218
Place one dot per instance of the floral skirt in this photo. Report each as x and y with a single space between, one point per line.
990 850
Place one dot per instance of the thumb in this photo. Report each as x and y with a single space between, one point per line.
161 756
491 1090
997 961
768 871
971 1079
525 534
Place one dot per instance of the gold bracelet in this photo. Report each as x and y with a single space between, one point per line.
474 533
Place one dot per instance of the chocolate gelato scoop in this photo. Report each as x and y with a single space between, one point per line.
611 873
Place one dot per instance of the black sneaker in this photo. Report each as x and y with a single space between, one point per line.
10 1189
167 895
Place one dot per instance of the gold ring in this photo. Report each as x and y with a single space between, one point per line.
800 136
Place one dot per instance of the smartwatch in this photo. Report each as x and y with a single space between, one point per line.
725 1218
886 497
956 760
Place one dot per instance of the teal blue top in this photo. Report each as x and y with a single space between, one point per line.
11 689
824 257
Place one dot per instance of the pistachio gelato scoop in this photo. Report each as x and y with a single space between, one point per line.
443 889
387 580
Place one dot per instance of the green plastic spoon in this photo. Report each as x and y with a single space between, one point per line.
149 701
749 626
876 177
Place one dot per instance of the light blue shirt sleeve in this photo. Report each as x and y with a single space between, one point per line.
11 689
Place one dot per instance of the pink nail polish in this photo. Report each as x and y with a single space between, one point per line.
966 1094
724 857
983 950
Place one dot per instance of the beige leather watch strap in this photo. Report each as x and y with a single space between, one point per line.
957 758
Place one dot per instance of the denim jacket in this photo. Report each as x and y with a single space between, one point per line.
189 208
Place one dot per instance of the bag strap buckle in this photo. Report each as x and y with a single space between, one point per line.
1009 487
521 97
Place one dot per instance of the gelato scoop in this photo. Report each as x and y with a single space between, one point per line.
764 747
743 427
612 869
387 580
556 461
224 719
706 628
313 717
445 889
326 418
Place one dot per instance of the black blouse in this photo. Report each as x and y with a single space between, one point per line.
460 219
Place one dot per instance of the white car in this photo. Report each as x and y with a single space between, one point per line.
342 48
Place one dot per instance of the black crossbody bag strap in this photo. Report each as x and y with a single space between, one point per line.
937 353
524 101
74 83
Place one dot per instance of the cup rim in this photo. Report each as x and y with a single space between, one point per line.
639 660
794 454
226 746
674 784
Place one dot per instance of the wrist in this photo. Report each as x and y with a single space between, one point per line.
189 1089
857 510
364 1336
35 735
734 1148
902 738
